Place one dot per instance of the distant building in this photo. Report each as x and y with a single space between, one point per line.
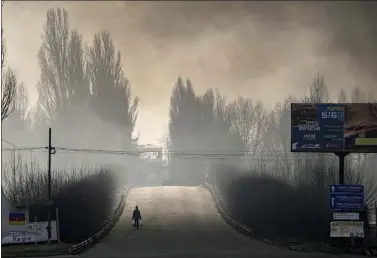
148 170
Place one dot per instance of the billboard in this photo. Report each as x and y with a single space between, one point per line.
360 127
334 127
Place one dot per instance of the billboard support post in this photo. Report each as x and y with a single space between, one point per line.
341 157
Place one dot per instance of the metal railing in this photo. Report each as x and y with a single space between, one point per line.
77 248
222 211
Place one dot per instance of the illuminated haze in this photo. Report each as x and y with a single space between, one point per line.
264 51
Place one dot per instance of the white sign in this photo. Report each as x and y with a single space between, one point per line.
354 229
35 232
346 216
21 238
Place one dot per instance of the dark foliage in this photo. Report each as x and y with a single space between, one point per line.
85 206
84 201
272 207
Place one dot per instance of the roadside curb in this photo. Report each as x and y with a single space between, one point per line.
33 254
371 252
224 214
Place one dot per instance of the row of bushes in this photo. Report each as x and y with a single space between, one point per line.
273 207
84 197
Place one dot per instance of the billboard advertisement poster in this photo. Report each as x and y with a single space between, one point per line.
317 127
334 127
360 127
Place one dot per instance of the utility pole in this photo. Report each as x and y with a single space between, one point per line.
14 165
51 150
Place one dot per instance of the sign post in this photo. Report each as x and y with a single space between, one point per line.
341 129
341 157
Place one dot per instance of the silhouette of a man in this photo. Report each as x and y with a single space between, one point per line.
136 217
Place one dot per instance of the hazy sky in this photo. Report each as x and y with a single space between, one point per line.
265 51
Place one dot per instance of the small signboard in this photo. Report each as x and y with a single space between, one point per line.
346 197
34 232
348 229
346 216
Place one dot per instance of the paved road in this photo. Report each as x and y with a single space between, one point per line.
180 222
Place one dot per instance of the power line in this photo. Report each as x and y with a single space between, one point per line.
23 149
14 145
179 152
173 153
192 155
248 155
137 152
16 148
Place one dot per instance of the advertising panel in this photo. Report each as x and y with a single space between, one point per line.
334 127
360 127
317 127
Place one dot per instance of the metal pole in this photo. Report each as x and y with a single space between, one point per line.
57 225
341 169
51 151
14 166
341 156
36 223
375 220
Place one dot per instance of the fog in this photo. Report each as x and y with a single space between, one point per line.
262 51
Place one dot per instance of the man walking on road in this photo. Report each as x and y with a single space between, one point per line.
136 217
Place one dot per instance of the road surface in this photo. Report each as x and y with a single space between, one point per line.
181 222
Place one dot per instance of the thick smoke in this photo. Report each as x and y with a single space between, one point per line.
261 50
265 50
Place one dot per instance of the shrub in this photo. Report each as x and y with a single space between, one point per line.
273 207
84 197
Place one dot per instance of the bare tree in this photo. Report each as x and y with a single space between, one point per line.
248 120
21 118
21 102
342 97
318 90
111 99
62 82
53 62
358 96
9 84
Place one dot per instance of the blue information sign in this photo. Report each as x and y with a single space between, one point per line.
317 127
346 197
